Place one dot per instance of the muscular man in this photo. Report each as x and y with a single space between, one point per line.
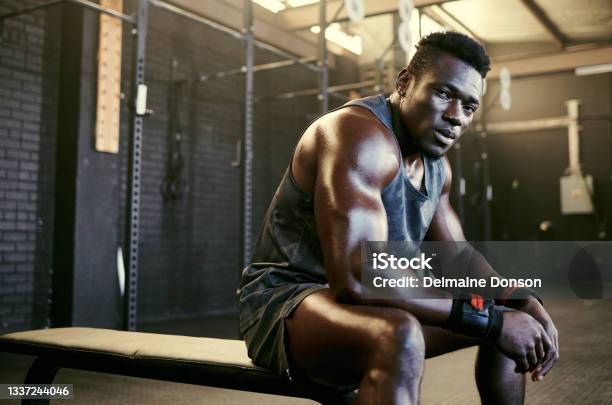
375 170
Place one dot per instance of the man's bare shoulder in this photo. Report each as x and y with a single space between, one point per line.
350 139
353 139
354 125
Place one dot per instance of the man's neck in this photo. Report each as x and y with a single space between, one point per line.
410 152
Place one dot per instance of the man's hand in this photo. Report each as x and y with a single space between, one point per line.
537 311
524 340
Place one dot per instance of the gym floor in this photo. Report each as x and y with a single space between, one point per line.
583 374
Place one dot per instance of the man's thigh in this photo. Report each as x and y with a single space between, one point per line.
331 342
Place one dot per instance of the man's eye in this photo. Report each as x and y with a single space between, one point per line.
469 110
443 94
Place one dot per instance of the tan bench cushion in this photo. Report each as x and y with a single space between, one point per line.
138 345
192 360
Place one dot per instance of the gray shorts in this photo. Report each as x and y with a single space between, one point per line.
266 342
266 339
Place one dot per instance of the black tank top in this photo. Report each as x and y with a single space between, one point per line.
287 262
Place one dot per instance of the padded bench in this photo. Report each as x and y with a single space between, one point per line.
193 360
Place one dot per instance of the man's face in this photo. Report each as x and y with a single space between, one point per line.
439 107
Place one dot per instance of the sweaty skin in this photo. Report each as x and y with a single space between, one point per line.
345 160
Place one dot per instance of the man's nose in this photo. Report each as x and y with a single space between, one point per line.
453 113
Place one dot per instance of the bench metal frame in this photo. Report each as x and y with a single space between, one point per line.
50 360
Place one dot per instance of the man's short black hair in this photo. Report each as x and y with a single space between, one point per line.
456 44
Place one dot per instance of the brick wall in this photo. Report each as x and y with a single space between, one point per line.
190 248
28 93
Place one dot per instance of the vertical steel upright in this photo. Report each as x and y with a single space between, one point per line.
248 131
323 74
460 184
487 188
135 169
380 67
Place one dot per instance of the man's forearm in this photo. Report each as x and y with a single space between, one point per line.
479 268
432 311
432 307
471 316
461 260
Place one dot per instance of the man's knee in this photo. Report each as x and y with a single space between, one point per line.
399 340
489 353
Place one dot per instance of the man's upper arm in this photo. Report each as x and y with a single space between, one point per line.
353 168
445 224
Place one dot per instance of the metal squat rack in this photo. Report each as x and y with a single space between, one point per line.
139 21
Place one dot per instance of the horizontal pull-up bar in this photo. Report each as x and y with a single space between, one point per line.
354 86
304 93
230 31
84 3
538 124
197 18
287 55
104 10
333 90
256 68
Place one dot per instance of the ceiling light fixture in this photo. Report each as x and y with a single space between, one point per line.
272 5
334 33
593 69
300 3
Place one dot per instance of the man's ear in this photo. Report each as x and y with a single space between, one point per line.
402 82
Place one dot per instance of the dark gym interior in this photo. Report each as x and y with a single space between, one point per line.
67 243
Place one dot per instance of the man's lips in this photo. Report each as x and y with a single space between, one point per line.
447 132
444 137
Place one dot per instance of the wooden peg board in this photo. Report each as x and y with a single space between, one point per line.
109 80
